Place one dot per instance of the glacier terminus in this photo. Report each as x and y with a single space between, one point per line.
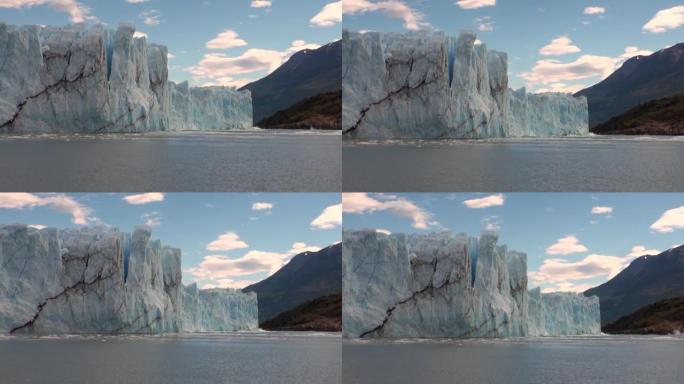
445 285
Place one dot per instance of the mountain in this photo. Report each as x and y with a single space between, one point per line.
322 111
658 117
638 80
323 315
307 276
664 317
646 280
307 73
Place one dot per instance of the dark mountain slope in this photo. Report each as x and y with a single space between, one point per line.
664 317
648 279
638 80
307 276
307 73
321 112
323 315
658 117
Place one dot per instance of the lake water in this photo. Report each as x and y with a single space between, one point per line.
254 358
240 161
591 164
577 360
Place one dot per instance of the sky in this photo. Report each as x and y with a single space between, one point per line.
226 239
211 42
573 241
552 45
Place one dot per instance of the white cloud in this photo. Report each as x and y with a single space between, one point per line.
330 218
562 88
363 203
225 40
630 52
383 231
262 206
640 250
491 223
37 226
330 15
151 219
567 287
670 18
559 46
219 68
139 35
565 246
227 242
137 1
486 202
215 268
413 20
80 214
669 221
484 24
170 56
473 4
599 210
594 10
150 17
260 4
144 198
78 13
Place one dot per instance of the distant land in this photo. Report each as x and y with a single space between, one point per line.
308 276
647 280
658 117
663 318
306 74
639 80
322 111
323 314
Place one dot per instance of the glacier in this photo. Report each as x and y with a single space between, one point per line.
449 285
98 280
88 79
421 85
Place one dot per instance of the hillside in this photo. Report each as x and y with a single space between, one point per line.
307 276
323 314
659 117
639 80
307 73
322 111
663 318
648 279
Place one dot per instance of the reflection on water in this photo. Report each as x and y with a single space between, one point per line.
254 358
247 161
596 163
578 360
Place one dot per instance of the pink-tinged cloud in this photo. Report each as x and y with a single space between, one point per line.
363 203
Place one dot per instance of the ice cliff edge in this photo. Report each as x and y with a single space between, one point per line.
446 285
431 86
88 79
101 281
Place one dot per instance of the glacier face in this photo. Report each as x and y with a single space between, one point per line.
81 79
562 313
441 285
432 86
100 280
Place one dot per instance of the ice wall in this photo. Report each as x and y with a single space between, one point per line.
100 280
86 79
210 108
397 286
400 285
221 310
432 86
563 314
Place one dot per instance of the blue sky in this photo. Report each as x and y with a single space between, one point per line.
227 239
573 241
264 33
596 36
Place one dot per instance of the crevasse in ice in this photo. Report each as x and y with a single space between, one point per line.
88 79
431 86
100 280
398 285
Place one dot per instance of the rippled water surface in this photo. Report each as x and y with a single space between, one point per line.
600 164
247 161
578 360
254 358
